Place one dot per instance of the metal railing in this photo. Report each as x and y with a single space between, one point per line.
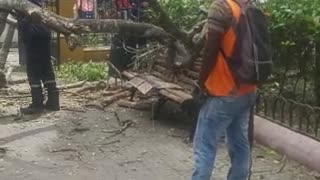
296 116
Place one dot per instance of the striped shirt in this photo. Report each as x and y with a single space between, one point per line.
219 16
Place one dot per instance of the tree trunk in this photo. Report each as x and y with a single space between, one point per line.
4 51
3 81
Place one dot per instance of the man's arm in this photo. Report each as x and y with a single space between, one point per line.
78 4
211 50
219 20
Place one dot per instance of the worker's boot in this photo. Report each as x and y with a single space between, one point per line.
36 106
53 102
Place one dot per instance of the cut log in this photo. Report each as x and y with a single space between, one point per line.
139 105
171 96
113 92
183 95
292 144
129 75
111 99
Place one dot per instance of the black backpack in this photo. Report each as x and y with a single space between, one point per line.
251 61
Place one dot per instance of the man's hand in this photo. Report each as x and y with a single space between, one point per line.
198 90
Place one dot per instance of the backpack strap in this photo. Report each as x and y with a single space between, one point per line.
236 13
236 8
241 3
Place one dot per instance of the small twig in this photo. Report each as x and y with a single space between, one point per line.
63 150
95 105
80 129
99 86
74 85
15 97
73 109
109 143
113 92
109 131
3 151
125 125
76 94
284 163
262 171
116 115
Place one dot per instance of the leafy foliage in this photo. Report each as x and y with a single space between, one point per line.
295 30
185 13
83 71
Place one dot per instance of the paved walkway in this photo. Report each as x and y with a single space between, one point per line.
84 144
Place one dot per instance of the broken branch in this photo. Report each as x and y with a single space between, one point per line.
94 87
74 85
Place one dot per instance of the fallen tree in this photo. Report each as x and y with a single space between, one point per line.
181 48
180 44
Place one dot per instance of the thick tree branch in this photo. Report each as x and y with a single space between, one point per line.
167 23
4 51
11 21
3 18
179 42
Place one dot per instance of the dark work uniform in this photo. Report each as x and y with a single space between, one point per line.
36 38
120 57
139 14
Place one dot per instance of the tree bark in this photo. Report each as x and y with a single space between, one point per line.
5 49
11 21
3 19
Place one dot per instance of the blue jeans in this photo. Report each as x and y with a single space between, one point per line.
217 116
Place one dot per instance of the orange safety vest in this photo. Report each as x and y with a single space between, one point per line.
220 81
